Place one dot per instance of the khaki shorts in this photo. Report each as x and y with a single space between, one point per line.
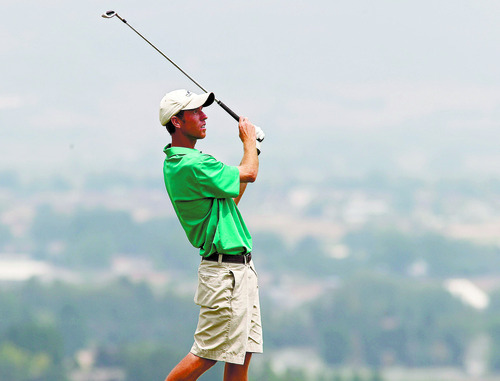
229 324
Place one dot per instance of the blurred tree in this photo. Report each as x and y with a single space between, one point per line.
335 344
399 322
148 361
90 250
494 334
375 320
271 249
394 251
375 376
37 338
17 364
48 226
265 372
164 241
294 375
71 324
92 237
31 351
356 377
309 258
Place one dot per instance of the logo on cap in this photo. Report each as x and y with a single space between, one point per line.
188 93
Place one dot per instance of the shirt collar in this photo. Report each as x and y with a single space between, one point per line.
171 151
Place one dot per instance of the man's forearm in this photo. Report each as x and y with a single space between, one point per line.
243 186
249 166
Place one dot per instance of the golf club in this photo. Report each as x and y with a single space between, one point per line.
111 14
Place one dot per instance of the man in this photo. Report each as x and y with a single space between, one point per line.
204 193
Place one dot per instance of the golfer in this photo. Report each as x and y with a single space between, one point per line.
205 193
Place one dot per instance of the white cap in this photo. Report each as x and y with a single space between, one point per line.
179 100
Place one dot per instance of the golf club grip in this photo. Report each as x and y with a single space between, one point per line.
229 111
233 114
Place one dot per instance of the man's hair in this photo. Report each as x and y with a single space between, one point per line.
170 126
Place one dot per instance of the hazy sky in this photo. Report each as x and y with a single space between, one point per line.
401 85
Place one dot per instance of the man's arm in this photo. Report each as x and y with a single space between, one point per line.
243 186
249 166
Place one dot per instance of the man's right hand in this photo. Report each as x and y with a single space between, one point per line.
247 131
249 166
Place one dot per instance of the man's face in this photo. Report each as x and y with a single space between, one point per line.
192 124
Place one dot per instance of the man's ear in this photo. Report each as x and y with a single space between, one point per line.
175 121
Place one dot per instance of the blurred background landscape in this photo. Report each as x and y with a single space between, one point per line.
375 217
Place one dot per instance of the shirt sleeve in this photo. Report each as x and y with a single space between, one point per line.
215 179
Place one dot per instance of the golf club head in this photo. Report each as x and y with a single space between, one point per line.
109 14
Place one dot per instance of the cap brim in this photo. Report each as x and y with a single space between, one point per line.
202 100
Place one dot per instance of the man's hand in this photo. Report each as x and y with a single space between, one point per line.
247 131
249 165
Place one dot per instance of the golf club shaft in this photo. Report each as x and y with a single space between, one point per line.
220 103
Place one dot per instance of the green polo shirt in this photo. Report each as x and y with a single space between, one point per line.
201 190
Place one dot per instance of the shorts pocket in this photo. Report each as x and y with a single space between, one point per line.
214 287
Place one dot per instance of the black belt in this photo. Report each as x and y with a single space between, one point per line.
242 258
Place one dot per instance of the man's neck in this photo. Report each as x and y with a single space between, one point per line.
182 141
